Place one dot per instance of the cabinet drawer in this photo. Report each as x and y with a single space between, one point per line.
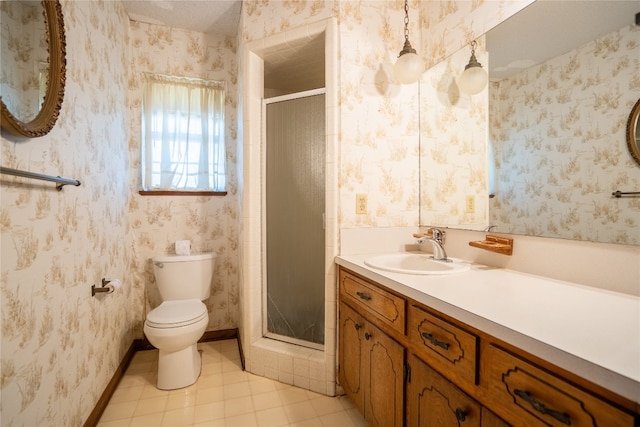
443 345
382 304
534 397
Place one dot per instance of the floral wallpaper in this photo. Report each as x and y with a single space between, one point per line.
374 154
558 131
453 135
378 157
210 222
448 25
59 345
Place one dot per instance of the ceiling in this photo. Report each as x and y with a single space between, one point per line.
536 34
549 28
219 16
292 68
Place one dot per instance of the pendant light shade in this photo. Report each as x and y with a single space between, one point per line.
409 66
474 78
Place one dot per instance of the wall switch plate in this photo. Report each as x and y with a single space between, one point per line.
361 203
470 206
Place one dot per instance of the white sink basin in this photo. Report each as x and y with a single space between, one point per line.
416 263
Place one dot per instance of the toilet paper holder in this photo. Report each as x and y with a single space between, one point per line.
105 288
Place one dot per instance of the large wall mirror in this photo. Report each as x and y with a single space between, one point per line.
32 74
633 132
541 150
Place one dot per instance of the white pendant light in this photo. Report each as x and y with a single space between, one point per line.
409 66
474 78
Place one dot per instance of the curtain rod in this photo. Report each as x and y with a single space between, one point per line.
60 181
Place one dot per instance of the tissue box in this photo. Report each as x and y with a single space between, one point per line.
183 247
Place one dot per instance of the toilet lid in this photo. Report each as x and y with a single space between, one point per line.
172 314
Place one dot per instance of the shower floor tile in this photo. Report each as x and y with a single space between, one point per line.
224 395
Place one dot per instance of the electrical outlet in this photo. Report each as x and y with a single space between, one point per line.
470 204
361 203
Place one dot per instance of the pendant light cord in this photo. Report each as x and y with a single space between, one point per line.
406 20
474 44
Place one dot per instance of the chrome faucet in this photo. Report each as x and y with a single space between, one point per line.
437 241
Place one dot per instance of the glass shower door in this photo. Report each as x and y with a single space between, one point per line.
294 223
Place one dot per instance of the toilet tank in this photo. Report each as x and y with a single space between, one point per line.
184 276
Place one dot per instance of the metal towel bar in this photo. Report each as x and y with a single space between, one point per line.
619 193
60 181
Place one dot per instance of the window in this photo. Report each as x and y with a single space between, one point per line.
182 134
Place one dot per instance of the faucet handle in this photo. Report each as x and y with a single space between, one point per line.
434 233
438 234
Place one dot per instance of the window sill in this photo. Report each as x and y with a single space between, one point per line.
180 193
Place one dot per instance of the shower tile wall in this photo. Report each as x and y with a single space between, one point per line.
303 367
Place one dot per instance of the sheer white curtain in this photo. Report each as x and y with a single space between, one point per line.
183 134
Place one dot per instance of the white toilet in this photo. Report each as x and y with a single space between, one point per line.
176 325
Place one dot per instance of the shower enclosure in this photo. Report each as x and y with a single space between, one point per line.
294 224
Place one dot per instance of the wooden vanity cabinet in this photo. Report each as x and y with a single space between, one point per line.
371 369
433 401
437 371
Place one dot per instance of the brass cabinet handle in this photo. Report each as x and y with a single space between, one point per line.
461 414
434 341
367 336
563 417
358 326
363 296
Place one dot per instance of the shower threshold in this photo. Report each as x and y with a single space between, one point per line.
294 341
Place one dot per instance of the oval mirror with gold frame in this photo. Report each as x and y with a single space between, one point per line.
633 132
53 90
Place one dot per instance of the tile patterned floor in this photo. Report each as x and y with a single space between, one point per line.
224 395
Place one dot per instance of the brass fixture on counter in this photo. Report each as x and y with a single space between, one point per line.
497 244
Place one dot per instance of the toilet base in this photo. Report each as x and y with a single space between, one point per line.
178 369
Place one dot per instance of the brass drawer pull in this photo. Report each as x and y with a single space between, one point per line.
540 407
434 341
363 296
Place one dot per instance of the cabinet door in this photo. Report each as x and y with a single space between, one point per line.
383 364
432 401
351 341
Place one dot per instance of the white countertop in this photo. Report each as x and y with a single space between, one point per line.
591 332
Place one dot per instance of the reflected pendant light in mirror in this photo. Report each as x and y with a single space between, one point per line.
474 78
409 66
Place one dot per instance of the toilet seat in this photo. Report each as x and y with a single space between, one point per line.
175 314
